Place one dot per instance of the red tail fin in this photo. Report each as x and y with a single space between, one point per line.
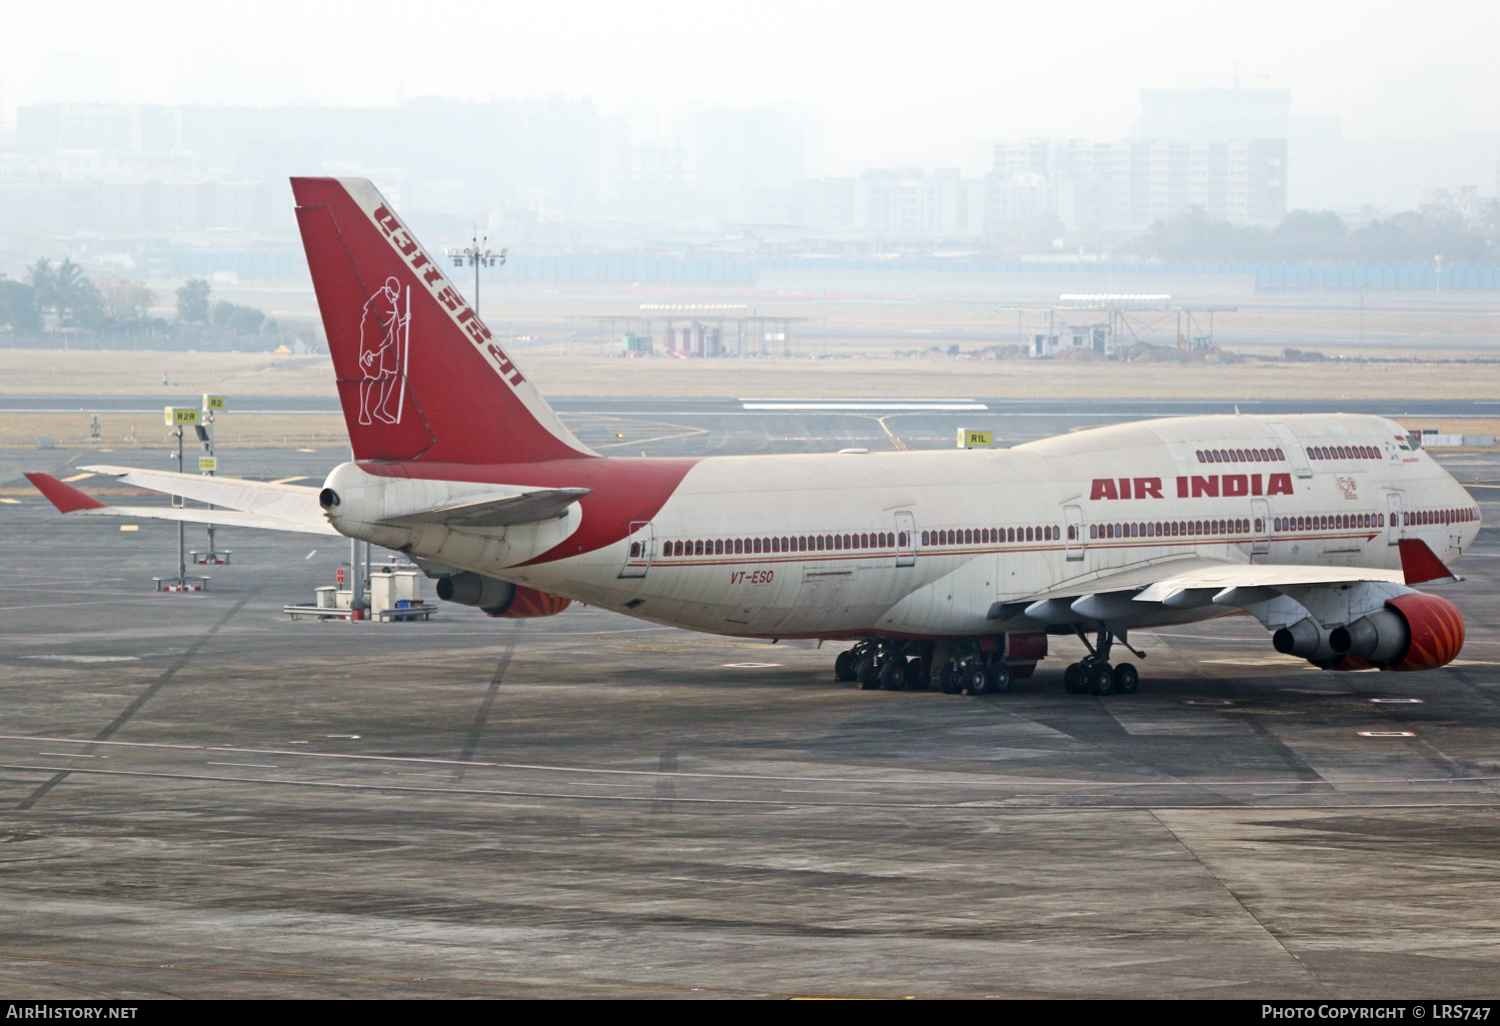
419 375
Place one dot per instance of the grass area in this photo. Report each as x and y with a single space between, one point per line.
125 432
141 372
55 372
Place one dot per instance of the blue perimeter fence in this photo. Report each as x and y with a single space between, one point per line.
747 271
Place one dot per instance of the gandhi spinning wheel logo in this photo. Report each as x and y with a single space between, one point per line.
384 344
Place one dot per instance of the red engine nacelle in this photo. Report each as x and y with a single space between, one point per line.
1436 628
528 603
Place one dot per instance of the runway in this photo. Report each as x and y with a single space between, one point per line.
203 798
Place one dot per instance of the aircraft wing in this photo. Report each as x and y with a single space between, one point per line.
1184 582
280 515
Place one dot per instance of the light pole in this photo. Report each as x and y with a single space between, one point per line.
476 255
178 419
208 465
1438 259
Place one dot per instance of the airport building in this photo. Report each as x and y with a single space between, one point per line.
1131 183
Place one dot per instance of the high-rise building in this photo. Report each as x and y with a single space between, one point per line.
1213 115
741 151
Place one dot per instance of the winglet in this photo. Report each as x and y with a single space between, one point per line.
65 497
1420 564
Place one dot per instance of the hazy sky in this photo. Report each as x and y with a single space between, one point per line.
898 83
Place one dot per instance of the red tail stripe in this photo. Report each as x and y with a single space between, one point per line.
65 497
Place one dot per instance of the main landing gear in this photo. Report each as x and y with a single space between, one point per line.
1092 675
960 667
881 664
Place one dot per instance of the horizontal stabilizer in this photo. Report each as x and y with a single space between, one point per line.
217 517
504 511
298 503
65 497
68 499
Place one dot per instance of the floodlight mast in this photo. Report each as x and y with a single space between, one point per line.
477 254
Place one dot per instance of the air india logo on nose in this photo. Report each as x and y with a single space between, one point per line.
384 341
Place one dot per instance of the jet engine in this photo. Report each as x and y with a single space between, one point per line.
1305 638
499 598
1412 632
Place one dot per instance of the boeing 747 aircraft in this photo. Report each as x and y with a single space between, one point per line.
947 568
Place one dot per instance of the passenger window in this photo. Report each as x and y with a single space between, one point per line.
635 549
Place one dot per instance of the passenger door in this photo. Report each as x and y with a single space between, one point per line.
1260 527
1293 450
642 539
1073 538
1393 519
906 539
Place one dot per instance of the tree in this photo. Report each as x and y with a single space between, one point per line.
244 320
18 306
65 291
1417 236
1193 236
192 301
1305 235
126 301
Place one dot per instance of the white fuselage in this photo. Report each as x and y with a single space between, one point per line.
843 545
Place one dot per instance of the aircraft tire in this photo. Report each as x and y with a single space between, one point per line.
948 679
974 680
916 680
893 674
1126 679
1100 679
1073 679
867 676
999 678
844 666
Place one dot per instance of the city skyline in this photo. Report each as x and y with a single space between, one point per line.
895 88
